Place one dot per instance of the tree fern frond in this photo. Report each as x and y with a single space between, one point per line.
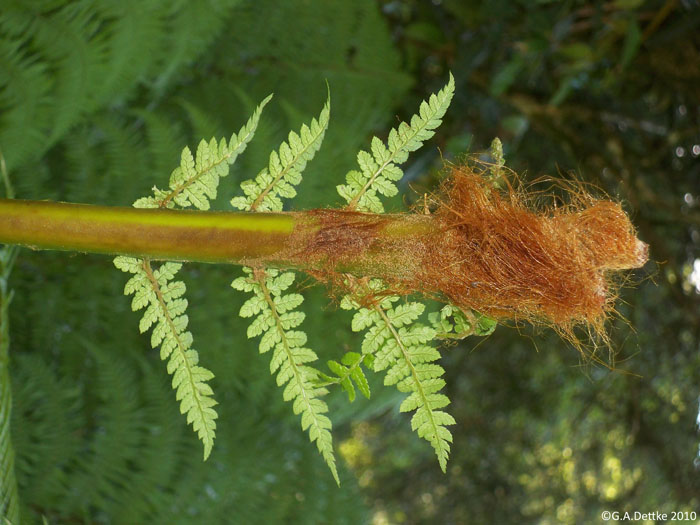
196 180
275 319
379 169
25 96
264 193
9 499
400 346
156 291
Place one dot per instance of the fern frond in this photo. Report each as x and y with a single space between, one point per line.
400 346
275 313
379 169
156 291
275 319
277 181
195 181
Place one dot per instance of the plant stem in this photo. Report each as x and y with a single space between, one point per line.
316 240
148 233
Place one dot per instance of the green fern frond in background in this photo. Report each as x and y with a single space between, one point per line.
9 499
276 314
379 170
86 56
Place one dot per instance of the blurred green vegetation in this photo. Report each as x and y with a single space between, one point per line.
96 101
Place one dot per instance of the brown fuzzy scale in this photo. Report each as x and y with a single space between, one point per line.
507 259
493 251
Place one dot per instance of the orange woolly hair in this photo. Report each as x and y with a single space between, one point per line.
495 251
507 257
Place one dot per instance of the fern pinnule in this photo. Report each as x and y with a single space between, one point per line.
195 181
379 170
400 346
452 322
275 319
156 291
277 180
349 373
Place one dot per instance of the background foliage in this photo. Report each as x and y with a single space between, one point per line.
97 100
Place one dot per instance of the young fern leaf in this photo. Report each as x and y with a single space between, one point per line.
399 346
453 323
349 373
156 291
275 319
276 313
192 183
379 169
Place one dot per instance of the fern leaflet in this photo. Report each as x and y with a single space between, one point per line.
284 169
275 319
399 346
348 374
195 181
156 291
379 169
275 313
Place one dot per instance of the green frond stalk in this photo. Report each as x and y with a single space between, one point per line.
177 235
269 239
